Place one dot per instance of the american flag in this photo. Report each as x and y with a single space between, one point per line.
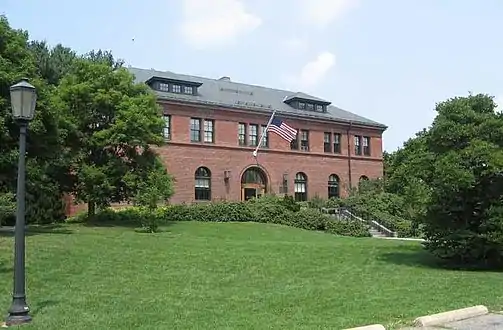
279 127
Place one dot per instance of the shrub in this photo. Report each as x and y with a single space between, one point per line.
272 209
309 219
208 212
348 228
385 208
154 190
267 209
316 202
7 208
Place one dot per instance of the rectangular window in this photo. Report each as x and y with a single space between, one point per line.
209 130
366 146
163 87
167 127
304 140
310 106
195 130
337 143
242 134
202 189
265 141
283 188
358 146
319 108
253 133
302 105
294 145
177 88
327 142
300 191
188 90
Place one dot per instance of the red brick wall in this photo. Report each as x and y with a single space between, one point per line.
183 157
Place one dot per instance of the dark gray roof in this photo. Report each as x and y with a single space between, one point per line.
304 96
227 93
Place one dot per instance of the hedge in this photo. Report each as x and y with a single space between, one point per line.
267 209
382 208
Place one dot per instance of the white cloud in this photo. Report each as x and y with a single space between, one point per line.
212 23
313 72
322 12
295 44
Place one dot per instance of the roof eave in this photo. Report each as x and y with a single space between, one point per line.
164 79
262 110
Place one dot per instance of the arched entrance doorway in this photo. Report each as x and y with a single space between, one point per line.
253 183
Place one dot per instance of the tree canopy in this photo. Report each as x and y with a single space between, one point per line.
93 131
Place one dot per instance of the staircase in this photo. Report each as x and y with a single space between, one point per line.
375 229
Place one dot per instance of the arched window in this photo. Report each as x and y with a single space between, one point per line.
202 186
300 187
362 180
254 175
333 186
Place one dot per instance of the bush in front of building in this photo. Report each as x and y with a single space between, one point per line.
348 228
387 209
267 209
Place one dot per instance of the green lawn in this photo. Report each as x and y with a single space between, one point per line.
232 276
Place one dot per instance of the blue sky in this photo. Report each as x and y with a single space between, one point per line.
388 60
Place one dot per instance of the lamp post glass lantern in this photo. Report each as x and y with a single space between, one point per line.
23 100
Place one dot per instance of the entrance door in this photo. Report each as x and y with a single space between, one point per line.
249 193
253 183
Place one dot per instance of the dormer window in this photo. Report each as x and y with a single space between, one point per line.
163 87
303 101
170 85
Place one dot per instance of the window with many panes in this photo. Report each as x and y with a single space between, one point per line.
188 89
327 142
366 145
337 143
177 88
163 87
302 105
300 187
242 134
265 140
209 130
294 144
310 106
333 186
358 145
167 127
195 130
253 134
304 140
319 108
202 184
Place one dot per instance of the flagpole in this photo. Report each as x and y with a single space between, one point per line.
255 152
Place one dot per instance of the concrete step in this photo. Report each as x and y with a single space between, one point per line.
376 233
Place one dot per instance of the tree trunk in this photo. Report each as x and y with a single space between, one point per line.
91 209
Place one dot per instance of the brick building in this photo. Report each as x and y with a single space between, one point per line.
213 126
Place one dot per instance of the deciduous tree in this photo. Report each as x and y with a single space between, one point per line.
112 123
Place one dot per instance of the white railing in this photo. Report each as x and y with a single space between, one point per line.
374 224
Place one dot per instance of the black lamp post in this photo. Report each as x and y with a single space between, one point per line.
23 99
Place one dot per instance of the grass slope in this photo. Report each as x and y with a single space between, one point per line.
232 276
